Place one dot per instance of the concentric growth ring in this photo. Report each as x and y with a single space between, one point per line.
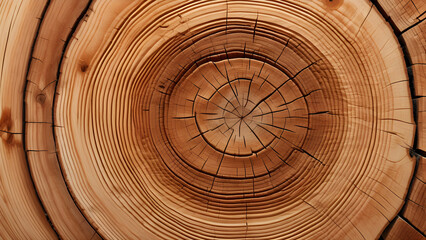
234 113
234 120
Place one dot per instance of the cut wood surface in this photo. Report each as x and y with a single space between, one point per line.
57 24
415 39
258 119
401 230
414 210
405 13
21 215
421 128
236 119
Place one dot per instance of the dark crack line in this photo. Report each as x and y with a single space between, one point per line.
248 91
371 7
282 51
255 26
214 119
66 43
271 112
257 137
273 134
226 110
302 150
221 160
298 98
280 157
24 115
264 80
229 83
216 91
278 127
310 155
282 84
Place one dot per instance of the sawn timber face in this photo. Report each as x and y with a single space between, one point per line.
212 119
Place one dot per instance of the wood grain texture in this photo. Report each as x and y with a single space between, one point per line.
414 210
236 120
405 13
401 230
421 128
41 151
407 18
223 119
415 40
21 215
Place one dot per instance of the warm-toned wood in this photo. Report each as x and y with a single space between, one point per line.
401 230
408 16
21 215
421 120
225 119
41 151
414 210
342 172
419 73
415 40
404 13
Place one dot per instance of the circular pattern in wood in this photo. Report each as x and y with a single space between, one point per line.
229 119
237 116
223 113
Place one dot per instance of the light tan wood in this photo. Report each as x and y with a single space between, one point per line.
41 151
419 73
21 215
159 162
408 17
421 128
224 119
404 13
415 40
414 210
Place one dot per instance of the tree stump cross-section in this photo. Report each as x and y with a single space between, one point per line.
278 119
